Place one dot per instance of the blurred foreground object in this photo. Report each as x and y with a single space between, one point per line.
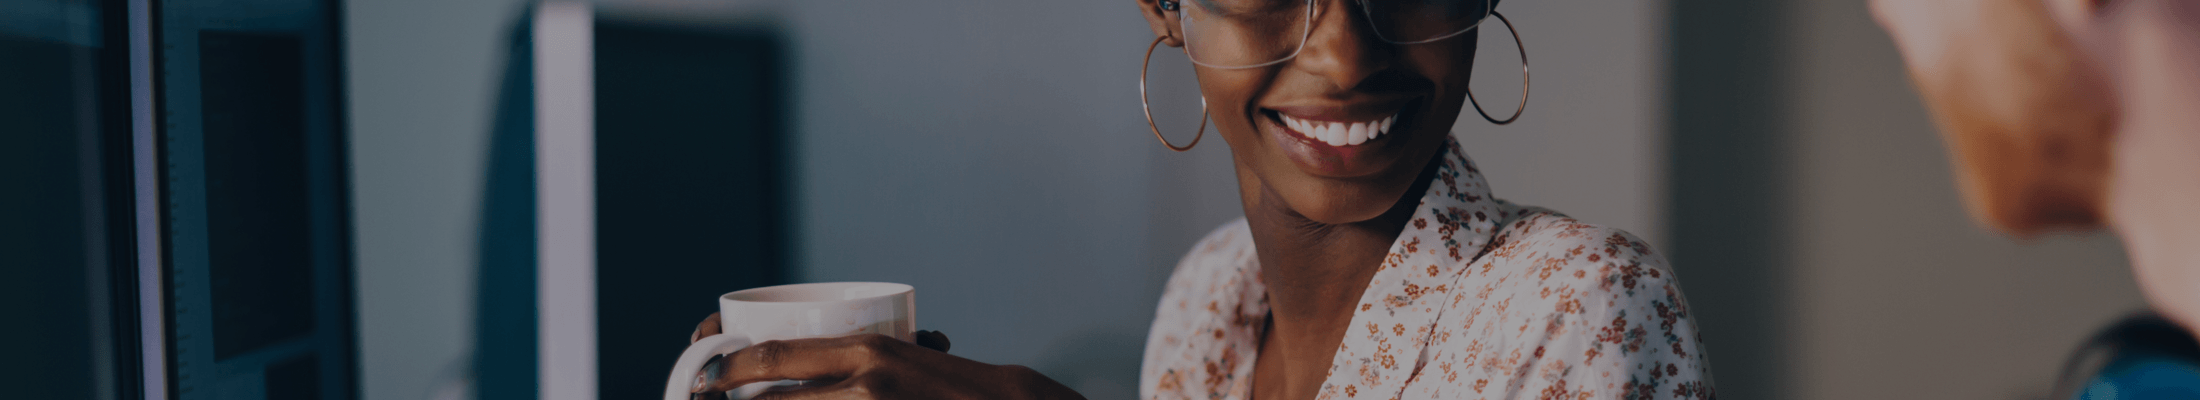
2077 114
2141 357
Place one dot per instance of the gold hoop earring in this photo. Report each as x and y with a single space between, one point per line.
1523 77
1149 108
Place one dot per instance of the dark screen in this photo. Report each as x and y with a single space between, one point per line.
43 265
689 200
252 101
254 215
65 237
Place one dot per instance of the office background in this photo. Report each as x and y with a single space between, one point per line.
992 154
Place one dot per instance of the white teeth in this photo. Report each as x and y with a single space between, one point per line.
1340 133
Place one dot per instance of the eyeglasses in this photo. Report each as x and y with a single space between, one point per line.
1254 33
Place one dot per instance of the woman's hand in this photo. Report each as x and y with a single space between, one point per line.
870 367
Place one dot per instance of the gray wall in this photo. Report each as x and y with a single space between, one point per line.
1590 143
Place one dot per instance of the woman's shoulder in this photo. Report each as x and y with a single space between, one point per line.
1536 236
1217 268
1207 318
1219 258
1220 248
1590 271
1558 305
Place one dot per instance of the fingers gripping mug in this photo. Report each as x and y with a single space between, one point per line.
799 311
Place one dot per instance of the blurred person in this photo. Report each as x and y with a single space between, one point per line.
2079 115
1373 260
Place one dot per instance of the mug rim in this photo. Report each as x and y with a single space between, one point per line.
895 289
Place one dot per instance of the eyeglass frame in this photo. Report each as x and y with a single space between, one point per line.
1308 31
1171 5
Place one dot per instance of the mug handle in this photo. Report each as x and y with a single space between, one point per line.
691 362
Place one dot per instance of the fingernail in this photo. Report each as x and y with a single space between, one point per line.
710 372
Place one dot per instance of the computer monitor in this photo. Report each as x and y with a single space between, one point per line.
178 169
636 172
66 270
254 235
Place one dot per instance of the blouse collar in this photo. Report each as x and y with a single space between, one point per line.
1450 229
1398 311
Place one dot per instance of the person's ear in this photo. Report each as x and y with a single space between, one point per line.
1163 21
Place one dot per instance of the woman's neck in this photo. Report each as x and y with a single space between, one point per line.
1315 272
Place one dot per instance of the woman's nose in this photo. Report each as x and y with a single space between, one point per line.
1341 47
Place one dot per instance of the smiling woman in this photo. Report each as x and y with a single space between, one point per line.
1373 260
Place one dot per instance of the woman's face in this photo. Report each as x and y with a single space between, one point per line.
1273 116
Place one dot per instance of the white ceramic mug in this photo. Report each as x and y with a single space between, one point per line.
798 311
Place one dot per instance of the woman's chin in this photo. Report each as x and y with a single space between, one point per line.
1341 205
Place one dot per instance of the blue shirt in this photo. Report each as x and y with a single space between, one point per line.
2141 357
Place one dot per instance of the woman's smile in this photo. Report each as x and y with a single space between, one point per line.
1338 141
1336 133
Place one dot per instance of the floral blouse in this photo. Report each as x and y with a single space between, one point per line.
1479 298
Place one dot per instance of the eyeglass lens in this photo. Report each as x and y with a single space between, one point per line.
1250 33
